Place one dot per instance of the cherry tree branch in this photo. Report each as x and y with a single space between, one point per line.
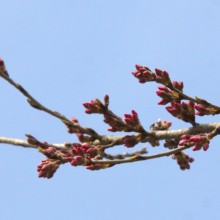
117 140
91 149
196 99
26 144
138 157
37 105
16 142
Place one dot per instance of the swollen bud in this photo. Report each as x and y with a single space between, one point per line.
2 67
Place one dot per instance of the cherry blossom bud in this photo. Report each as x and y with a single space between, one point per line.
92 152
74 163
183 160
200 141
132 122
204 110
130 140
167 95
143 74
2 67
73 119
162 77
178 85
79 160
95 106
94 167
47 168
2 64
106 100
116 123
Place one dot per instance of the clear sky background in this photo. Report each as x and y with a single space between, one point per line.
72 51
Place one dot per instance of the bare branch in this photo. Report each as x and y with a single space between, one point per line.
25 144
35 104
124 155
16 142
137 158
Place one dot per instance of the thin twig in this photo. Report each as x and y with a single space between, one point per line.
124 155
199 101
36 104
137 158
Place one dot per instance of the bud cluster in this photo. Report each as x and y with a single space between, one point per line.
55 157
95 106
171 143
73 128
184 111
144 74
167 95
56 154
162 77
130 123
199 142
76 154
47 168
115 122
178 85
130 140
183 160
82 154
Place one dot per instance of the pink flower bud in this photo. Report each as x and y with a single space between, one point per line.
205 146
74 163
73 119
178 85
2 64
143 74
106 100
158 72
79 160
137 66
130 141
95 167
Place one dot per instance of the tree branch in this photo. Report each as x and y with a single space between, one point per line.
90 150
36 104
137 157
117 140
25 144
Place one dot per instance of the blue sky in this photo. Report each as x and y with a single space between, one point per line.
66 53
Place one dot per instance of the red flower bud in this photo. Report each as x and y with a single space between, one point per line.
130 140
92 152
95 167
79 160
2 64
178 85
143 74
